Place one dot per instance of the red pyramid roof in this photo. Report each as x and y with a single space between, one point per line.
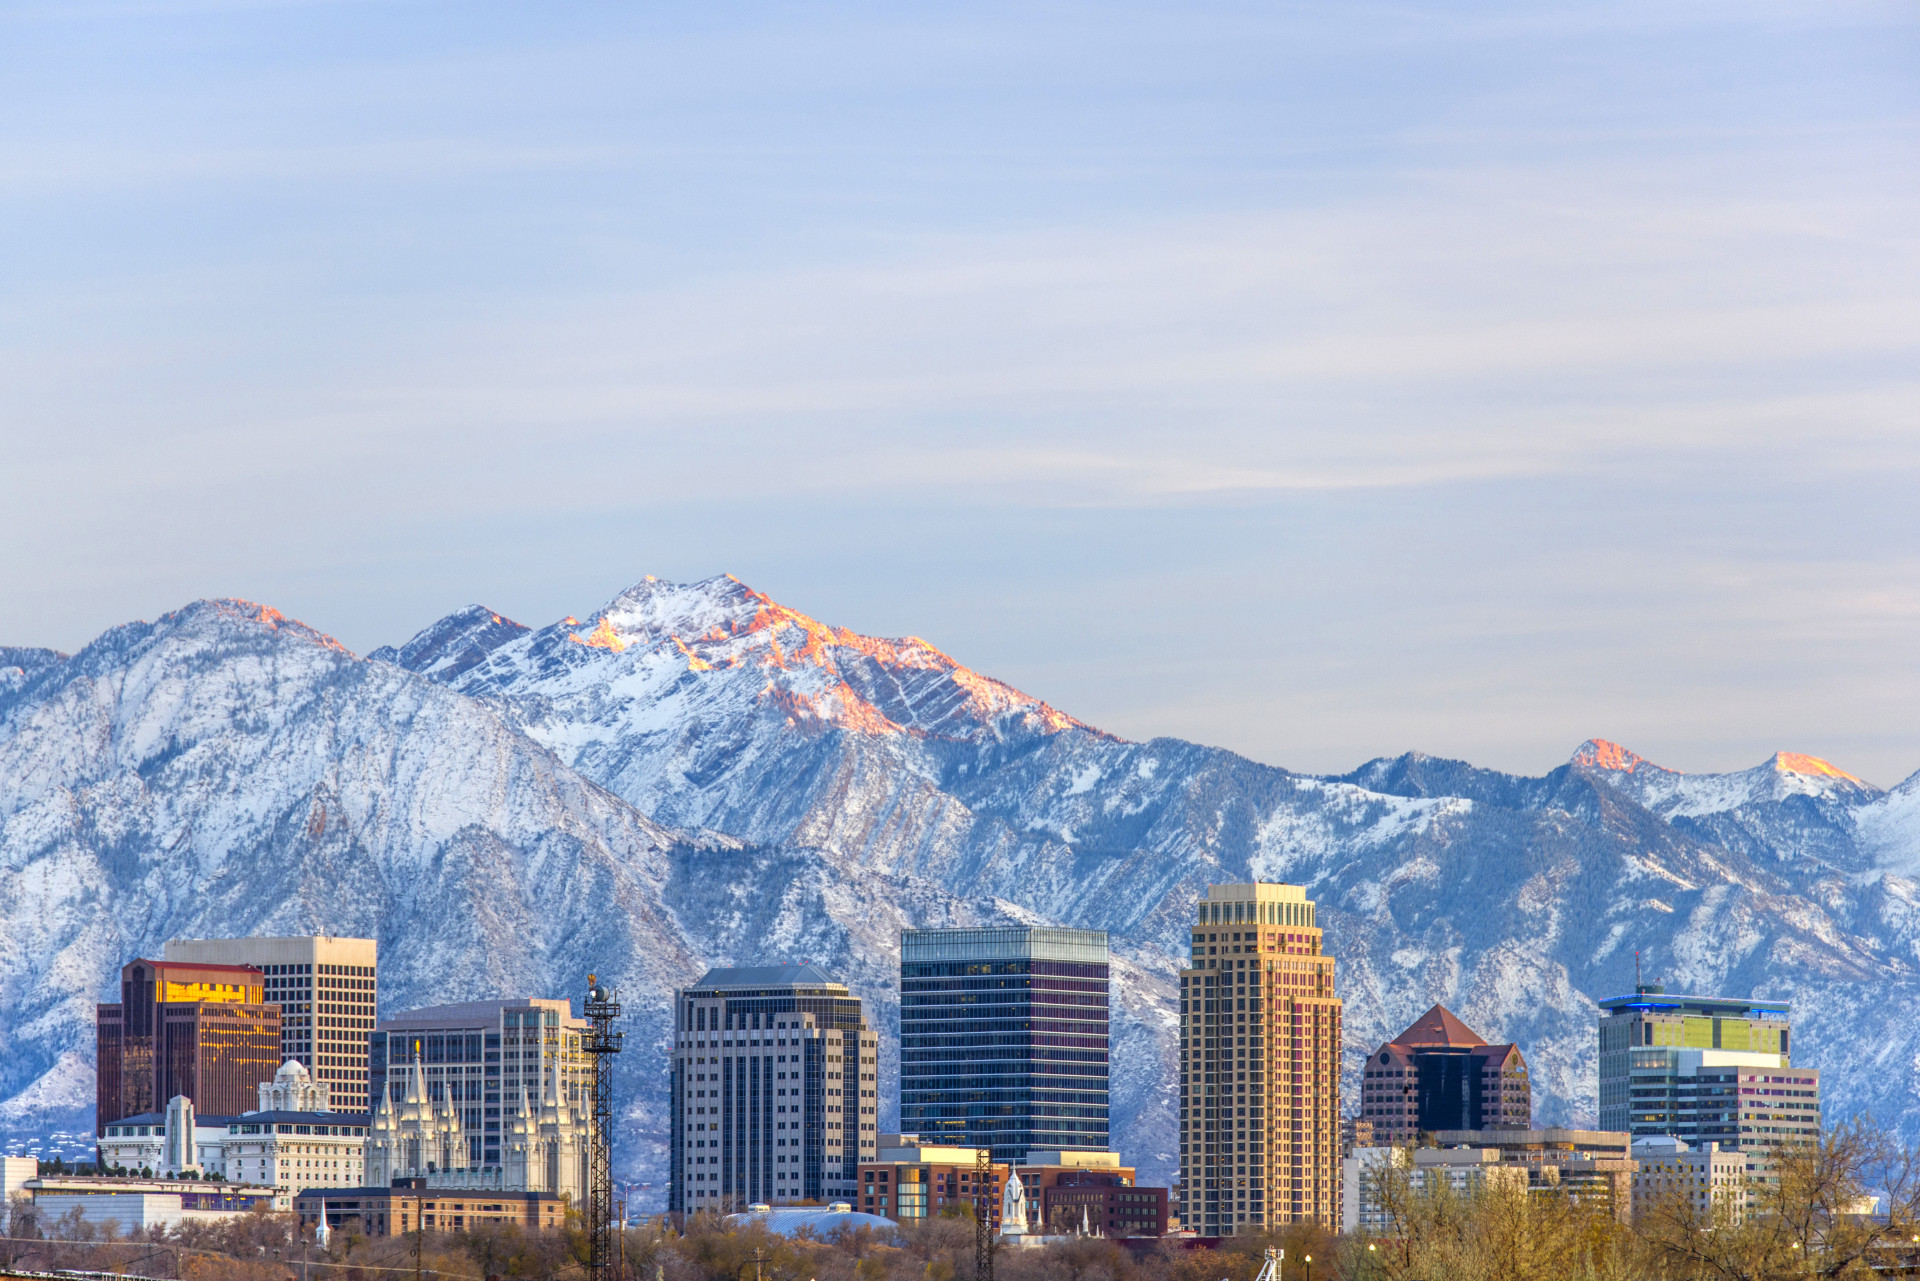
1438 1026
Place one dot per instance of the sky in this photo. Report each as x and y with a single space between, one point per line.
1321 381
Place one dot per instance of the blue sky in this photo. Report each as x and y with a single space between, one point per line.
1318 380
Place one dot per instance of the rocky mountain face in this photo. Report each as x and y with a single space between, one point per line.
696 775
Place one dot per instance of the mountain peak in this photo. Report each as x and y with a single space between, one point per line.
1796 763
817 673
1598 753
233 609
455 644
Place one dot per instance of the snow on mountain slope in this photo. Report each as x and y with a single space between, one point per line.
496 817
227 771
1518 902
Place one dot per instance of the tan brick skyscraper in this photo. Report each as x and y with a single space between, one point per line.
1259 1064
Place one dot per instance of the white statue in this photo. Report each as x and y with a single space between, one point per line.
1013 1207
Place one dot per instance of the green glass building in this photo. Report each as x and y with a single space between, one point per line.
1705 1069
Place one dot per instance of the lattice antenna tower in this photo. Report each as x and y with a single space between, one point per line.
603 1007
982 1232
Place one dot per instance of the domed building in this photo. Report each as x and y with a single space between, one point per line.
293 1089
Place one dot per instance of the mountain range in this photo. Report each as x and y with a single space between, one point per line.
697 775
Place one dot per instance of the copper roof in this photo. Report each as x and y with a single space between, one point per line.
1438 1026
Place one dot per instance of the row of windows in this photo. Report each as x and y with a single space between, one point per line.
971 969
977 1050
964 1001
1051 1040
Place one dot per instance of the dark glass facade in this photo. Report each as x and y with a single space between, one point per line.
184 1029
1002 1050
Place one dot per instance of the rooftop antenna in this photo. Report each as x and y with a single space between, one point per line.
1636 970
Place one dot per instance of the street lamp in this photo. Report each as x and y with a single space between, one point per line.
1309 1261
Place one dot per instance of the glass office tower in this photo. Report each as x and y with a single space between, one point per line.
1004 1039
1706 1069
202 1031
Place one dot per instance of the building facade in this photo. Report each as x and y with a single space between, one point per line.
477 1058
136 1205
280 1151
1703 1184
1440 1075
1259 1064
775 1090
545 1145
1364 1203
1099 1203
1004 1038
202 1031
327 989
1593 1166
289 1151
387 1211
1705 1070
908 1181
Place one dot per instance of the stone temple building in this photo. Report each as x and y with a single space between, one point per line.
544 1145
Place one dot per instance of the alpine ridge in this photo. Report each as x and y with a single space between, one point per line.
697 775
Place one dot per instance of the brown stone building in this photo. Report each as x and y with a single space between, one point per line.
1100 1202
913 1181
408 1205
1440 1075
197 1030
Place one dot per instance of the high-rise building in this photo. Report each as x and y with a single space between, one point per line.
1440 1075
1004 1038
326 989
1259 1064
478 1059
1705 1069
775 1090
203 1032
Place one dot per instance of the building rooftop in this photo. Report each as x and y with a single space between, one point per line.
1549 1140
1438 1026
822 1219
160 1118
307 1118
477 1011
196 965
763 976
1653 999
1005 943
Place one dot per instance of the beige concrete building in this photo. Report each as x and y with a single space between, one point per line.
1260 1031
327 989
1703 1181
1594 1166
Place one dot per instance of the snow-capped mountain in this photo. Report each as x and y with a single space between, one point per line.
696 774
